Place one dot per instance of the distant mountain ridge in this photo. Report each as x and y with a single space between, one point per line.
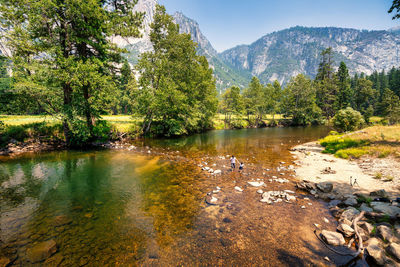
283 54
279 55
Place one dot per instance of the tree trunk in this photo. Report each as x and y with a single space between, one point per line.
88 113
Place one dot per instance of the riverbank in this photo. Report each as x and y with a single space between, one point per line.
365 204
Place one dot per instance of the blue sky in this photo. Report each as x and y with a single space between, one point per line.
227 23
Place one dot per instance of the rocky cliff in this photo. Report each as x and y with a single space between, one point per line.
283 54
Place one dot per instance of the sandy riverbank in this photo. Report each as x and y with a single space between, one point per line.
315 166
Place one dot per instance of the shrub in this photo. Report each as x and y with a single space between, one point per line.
348 120
351 153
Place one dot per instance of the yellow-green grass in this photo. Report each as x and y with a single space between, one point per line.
378 141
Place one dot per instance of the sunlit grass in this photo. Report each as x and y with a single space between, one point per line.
378 141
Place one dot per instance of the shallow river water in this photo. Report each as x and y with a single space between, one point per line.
147 206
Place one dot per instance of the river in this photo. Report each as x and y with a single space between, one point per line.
147 206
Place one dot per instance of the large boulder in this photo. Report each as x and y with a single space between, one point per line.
366 208
41 251
325 187
367 227
386 208
345 229
375 251
394 249
333 238
384 232
349 214
379 193
351 201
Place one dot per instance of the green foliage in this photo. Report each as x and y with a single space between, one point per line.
63 57
40 131
351 153
299 102
177 94
348 120
396 8
334 143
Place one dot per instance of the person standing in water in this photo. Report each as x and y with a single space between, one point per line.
233 162
241 166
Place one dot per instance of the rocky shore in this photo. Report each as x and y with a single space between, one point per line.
367 210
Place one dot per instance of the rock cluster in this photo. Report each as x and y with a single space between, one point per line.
382 239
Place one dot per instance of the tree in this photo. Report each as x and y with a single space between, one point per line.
232 102
347 119
345 93
298 101
396 8
364 98
390 106
326 85
325 69
254 100
272 96
177 90
63 57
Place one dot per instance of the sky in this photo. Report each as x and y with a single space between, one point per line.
228 23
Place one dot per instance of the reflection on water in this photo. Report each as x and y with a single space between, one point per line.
108 207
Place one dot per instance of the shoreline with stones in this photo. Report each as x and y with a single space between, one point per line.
367 211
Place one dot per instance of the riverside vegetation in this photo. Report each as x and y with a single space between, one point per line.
84 77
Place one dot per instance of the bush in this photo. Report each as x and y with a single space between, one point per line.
348 120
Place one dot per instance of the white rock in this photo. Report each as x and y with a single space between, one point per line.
213 199
206 168
216 191
303 207
290 198
260 191
326 220
288 191
256 184
217 171
237 188
278 200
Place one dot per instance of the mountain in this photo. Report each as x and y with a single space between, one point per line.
284 54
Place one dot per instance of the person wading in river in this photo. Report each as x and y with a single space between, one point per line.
233 162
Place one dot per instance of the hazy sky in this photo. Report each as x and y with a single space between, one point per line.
227 23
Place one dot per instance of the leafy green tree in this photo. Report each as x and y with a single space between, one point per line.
63 57
177 90
348 119
298 101
254 99
272 96
345 92
232 103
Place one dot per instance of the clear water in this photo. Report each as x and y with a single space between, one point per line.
139 208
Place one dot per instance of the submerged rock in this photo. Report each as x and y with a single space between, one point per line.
41 251
333 238
4 261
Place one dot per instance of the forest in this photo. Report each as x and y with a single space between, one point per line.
65 66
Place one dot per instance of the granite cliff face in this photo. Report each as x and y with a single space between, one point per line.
283 54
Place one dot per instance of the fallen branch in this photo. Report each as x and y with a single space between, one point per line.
360 242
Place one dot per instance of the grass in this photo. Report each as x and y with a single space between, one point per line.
379 141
